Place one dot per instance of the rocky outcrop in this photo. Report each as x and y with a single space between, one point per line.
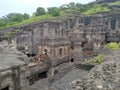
105 76
114 7
105 1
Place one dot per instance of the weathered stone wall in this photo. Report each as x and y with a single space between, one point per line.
95 29
62 27
11 78
58 52
6 80
30 74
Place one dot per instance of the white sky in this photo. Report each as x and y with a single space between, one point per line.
29 6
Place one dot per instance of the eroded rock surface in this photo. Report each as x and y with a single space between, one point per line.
105 76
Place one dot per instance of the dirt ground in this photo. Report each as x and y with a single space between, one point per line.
61 84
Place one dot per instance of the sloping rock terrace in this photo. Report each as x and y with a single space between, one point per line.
105 76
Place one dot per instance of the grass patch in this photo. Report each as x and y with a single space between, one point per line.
33 19
95 9
100 8
114 3
30 20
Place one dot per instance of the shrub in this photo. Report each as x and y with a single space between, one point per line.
96 59
112 46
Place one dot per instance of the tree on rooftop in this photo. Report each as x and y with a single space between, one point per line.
26 16
2 22
63 7
54 11
15 17
40 11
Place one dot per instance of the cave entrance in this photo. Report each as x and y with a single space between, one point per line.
72 60
46 51
42 75
31 55
37 77
60 51
72 46
6 88
28 55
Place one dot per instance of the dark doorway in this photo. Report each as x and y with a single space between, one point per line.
42 75
72 59
28 55
72 45
60 51
113 24
83 43
31 55
45 51
6 88
37 77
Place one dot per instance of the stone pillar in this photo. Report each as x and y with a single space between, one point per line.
109 25
77 22
77 53
117 25
0 83
68 24
46 28
16 77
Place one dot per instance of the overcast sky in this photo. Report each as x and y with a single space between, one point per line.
29 6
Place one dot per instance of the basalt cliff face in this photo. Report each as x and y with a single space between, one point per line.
70 37
76 35
106 24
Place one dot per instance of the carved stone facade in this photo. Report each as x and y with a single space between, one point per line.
57 48
59 35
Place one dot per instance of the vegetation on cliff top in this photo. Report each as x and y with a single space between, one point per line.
16 19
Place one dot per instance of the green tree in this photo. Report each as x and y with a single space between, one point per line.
63 7
85 7
34 14
54 11
79 6
15 17
2 22
40 11
26 16
72 5
104 5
